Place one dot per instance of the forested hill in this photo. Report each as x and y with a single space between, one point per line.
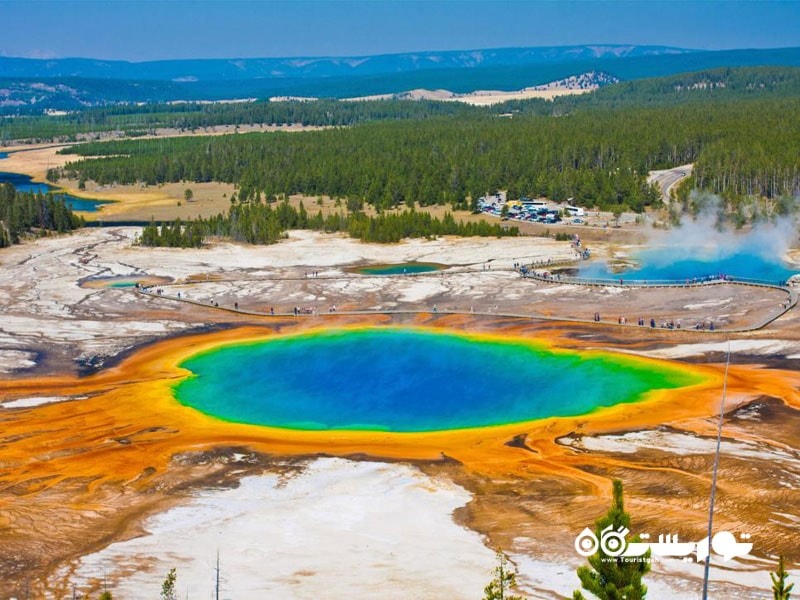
600 157
139 120
79 88
715 84
701 87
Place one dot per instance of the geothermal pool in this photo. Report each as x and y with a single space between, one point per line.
123 281
24 183
410 380
668 263
399 269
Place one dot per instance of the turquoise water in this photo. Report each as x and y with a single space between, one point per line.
3 155
399 269
666 263
23 183
122 281
408 380
117 281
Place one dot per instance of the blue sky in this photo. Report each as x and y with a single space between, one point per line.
167 29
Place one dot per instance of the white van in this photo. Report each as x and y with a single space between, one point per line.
575 211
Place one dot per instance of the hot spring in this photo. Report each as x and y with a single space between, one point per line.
123 281
681 264
409 268
410 380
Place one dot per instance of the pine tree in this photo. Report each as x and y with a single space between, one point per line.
149 235
780 591
611 577
505 578
168 591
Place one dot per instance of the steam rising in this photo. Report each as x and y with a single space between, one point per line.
709 247
703 239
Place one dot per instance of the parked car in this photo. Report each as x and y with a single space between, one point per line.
578 221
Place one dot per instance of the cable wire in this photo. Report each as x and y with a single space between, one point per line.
714 477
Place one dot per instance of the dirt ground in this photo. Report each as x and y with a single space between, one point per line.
93 443
55 327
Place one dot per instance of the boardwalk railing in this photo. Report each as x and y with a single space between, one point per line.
622 282
537 271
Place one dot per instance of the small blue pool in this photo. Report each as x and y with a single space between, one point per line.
24 183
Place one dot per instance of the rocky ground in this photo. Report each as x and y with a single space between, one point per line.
54 323
53 315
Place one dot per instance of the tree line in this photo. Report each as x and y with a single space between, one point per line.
135 120
23 213
706 87
260 223
701 87
599 157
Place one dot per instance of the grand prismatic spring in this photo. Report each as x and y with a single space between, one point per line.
468 398
408 380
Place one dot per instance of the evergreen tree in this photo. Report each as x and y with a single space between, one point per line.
600 157
617 212
168 591
698 89
612 577
149 235
505 579
259 224
23 213
780 591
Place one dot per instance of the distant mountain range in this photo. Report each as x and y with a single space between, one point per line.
30 86
185 71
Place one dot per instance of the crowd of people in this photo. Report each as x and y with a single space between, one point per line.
664 324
